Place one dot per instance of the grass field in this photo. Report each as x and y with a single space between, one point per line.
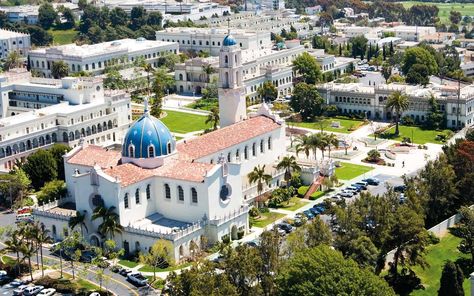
419 135
147 268
181 122
294 204
348 171
128 263
63 36
445 8
436 256
266 218
346 125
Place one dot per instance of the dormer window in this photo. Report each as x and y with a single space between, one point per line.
131 151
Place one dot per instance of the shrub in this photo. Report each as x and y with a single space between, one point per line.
264 210
240 234
373 155
254 212
226 239
407 120
52 191
302 190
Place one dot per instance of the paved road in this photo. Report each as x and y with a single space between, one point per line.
116 283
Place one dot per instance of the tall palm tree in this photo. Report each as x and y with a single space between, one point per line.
148 69
303 144
332 140
259 176
110 221
316 142
397 102
213 118
78 220
14 245
208 70
28 250
42 237
288 163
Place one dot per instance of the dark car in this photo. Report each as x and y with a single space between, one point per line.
87 256
361 186
372 181
314 212
5 279
319 207
252 244
400 188
125 272
115 268
308 214
286 227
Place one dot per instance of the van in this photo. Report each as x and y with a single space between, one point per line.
24 217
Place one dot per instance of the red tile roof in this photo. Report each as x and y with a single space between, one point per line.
91 155
226 137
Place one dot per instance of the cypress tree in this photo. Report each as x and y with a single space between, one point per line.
451 280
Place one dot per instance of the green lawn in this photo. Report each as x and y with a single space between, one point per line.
266 218
419 135
445 8
348 171
181 122
345 124
63 36
128 263
147 268
295 204
436 256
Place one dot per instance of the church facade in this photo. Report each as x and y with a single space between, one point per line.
189 192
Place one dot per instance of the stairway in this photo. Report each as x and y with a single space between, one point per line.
314 187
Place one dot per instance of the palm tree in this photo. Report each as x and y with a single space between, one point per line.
148 69
12 60
208 70
110 221
213 118
79 219
303 144
332 140
316 142
259 176
288 163
42 237
14 245
28 250
397 102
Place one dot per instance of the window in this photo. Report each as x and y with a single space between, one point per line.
270 143
131 151
167 191
254 149
169 147
148 191
246 152
137 196
125 200
180 193
228 157
262 145
237 154
151 151
226 59
194 195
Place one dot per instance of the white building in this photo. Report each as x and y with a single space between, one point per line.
14 41
29 13
38 112
96 57
209 39
187 192
313 9
411 33
371 100
268 64
273 4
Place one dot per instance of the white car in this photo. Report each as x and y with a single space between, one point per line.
3 273
20 290
32 290
94 294
137 278
47 292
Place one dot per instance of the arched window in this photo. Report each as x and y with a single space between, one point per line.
246 152
137 196
262 146
131 151
125 200
180 193
254 149
228 157
151 151
148 191
54 231
194 195
237 153
226 59
167 191
270 143
169 147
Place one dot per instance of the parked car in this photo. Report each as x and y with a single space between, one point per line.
353 188
297 222
32 290
125 272
308 214
363 186
286 227
20 290
319 207
47 292
115 268
87 256
372 181
17 283
252 243
402 198
94 294
336 197
400 188
137 278
280 231
5 279
346 193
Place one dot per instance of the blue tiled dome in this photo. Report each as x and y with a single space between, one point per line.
229 41
148 137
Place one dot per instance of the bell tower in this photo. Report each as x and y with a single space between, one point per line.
232 107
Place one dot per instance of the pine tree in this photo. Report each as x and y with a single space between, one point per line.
451 280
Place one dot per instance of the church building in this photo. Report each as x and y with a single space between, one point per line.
187 192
